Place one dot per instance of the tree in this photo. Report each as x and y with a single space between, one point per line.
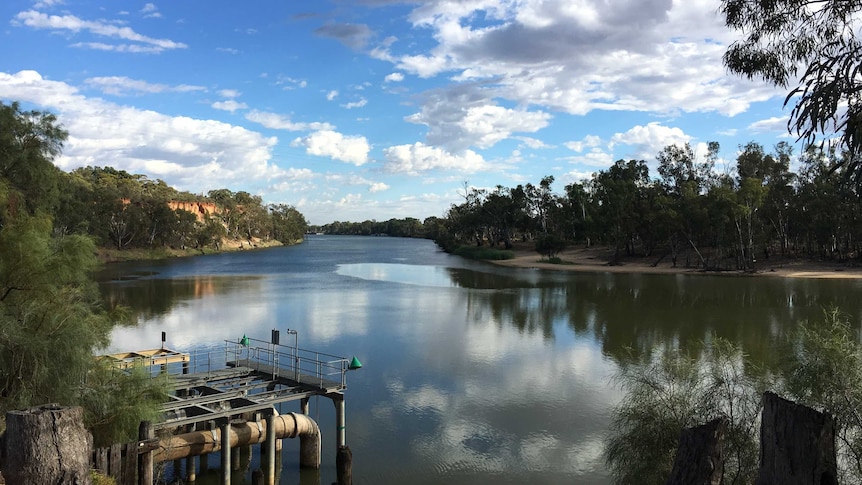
52 317
820 37
29 141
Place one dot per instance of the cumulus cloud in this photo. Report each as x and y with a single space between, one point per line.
329 143
418 157
71 23
331 95
646 141
378 187
121 86
276 121
574 57
191 154
395 77
461 118
589 141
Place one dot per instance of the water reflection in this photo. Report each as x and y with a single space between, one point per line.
473 373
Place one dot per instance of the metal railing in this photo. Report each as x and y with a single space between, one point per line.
301 365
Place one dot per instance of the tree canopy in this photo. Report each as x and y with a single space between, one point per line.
814 45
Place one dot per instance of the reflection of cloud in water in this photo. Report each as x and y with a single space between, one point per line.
337 314
410 274
520 403
199 322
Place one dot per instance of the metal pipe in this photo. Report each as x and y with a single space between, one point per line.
288 425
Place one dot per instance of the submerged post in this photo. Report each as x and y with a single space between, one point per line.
344 466
225 454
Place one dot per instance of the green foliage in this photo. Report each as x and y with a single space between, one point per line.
29 140
115 402
824 370
675 391
821 38
52 317
99 479
483 253
821 368
550 245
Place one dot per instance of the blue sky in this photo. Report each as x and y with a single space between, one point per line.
374 109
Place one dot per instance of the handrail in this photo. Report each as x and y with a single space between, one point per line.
301 365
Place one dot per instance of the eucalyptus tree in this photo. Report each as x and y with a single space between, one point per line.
814 46
618 192
288 224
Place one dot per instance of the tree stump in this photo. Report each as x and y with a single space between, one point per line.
47 445
797 444
699 458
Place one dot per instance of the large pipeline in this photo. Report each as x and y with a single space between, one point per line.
288 425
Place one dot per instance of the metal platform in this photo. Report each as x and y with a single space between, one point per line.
243 377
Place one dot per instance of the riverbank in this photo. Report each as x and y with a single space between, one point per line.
596 260
110 255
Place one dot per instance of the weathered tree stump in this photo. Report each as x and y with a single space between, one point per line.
47 445
797 444
699 458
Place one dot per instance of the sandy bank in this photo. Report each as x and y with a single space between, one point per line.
595 260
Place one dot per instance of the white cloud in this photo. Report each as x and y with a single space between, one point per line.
589 141
771 125
458 119
331 95
151 11
328 143
395 77
647 141
229 105
38 20
276 121
574 57
121 85
356 104
378 187
229 93
190 154
418 157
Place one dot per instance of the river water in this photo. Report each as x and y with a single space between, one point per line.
472 373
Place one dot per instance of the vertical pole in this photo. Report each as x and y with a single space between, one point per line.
340 438
145 460
303 405
270 449
225 454
190 461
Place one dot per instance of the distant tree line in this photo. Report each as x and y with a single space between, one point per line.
690 213
126 210
407 227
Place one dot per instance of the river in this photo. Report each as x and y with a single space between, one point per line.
472 373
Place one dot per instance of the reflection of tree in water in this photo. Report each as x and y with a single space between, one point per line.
648 313
152 297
